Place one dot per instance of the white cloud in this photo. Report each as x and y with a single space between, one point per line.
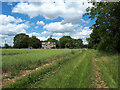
34 34
57 34
57 27
45 33
9 27
61 34
12 29
4 20
57 38
6 38
40 23
71 11
42 38
38 35
41 35
82 34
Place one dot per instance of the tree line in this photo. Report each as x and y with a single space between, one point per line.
24 41
106 30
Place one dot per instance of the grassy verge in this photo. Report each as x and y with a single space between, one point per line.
109 68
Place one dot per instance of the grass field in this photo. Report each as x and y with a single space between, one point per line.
73 68
22 59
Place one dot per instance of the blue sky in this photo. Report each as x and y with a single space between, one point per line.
45 18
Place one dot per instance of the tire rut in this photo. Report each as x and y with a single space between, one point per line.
97 81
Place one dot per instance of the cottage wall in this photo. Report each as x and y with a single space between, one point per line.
48 45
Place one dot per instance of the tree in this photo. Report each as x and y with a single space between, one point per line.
21 41
68 42
94 39
34 42
65 41
6 46
106 30
77 43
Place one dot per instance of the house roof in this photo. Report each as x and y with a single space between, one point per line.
48 43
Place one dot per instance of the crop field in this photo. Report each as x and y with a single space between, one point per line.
22 59
59 68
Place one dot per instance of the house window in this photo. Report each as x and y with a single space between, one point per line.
48 42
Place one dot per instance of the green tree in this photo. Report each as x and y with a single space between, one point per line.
21 41
106 30
68 42
94 39
6 46
65 41
67 45
77 43
34 42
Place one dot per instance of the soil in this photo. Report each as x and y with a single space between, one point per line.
97 78
23 73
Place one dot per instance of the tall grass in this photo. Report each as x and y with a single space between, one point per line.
29 59
109 68
29 80
75 71
74 74
15 51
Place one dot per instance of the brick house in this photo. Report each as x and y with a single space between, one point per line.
48 45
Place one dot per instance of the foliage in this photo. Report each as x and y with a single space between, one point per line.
94 39
85 46
24 41
77 43
6 46
65 42
34 42
68 42
21 41
106 30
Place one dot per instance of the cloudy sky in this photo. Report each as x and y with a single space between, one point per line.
44 18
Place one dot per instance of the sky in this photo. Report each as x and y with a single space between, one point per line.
44 18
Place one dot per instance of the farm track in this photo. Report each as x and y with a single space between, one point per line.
98 82
26 72
70 76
